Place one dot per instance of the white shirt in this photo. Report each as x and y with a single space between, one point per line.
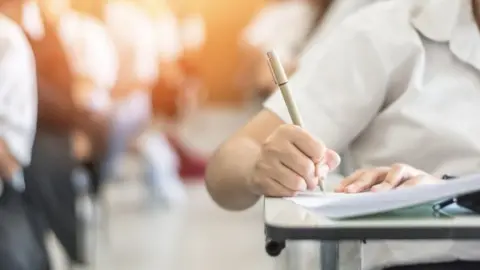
282 26
18 91
133 34
92 54
399 81
337 12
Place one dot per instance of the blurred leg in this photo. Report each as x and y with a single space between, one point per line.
22 246
161 165
128 119
50 190
131 118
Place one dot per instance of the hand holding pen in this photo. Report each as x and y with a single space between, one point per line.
291 160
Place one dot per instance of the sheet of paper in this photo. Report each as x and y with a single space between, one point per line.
337 205
314 199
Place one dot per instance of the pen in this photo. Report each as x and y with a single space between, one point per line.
281 80
442 204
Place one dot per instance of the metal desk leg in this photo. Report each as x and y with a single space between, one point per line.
329 255
293 256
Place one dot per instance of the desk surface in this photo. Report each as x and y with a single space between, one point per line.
285 220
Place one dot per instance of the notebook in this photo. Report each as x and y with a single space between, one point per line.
342 205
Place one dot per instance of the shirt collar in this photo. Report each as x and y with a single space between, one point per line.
451 21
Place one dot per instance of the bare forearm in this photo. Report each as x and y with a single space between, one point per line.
228 173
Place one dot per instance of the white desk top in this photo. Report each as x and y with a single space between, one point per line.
286 214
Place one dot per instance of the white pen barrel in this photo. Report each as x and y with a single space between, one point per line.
281 80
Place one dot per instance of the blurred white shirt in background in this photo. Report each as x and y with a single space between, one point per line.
89 48
134 35
18 91
92 55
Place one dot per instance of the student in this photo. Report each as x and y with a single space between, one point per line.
18 97
49 184
92 54
93 59
175 94
396 82
20 246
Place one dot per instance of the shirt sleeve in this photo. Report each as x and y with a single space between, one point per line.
340 87
18 92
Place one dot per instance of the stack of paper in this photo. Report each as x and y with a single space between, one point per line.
341 205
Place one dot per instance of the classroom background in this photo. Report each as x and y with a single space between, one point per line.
206 76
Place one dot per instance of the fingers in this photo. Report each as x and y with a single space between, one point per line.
292 180
305 142
273 188
347 181
396 175
366 180
290 161
300 164
417 180
421 179
362 180
385 178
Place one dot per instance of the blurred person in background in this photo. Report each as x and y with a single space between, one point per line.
92 57
21 244
49 182
398 71
133 33
176 93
